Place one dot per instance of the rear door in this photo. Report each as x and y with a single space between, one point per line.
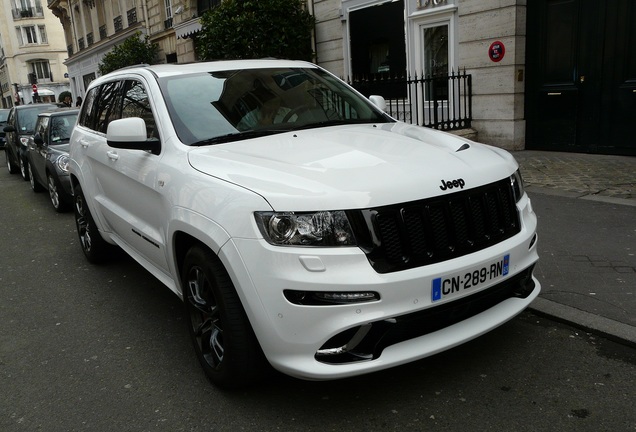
130 202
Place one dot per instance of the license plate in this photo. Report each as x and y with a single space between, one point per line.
452 285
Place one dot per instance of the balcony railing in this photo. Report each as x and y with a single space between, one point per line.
117 23
168 23
103 34
89 39
440 102
69 50
27 12
132 16
80 43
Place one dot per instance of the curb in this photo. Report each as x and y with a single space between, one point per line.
622 333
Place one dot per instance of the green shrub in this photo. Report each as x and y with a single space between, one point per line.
244 29
134 50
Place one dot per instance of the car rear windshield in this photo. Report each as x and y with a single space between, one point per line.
215 107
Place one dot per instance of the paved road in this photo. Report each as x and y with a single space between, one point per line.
105 348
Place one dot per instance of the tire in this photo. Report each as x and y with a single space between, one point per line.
35 186
95 248
223 338
10 165
54 188
24 170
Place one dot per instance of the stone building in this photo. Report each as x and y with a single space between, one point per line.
93 27
546 74
32 50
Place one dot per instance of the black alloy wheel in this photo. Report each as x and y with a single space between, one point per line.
221 333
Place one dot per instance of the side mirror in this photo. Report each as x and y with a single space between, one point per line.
9 128
378 101
37 139
130 134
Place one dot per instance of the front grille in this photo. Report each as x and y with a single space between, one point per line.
414 234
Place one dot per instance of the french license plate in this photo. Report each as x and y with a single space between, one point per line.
451 285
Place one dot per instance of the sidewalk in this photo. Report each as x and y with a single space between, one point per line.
586 206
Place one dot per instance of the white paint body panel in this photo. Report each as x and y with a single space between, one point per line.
141 201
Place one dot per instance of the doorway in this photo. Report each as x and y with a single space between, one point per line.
581 76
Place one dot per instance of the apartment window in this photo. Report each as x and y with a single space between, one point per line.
31 35
42 32
41 69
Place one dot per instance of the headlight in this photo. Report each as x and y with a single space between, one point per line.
517 185
62 163
326 228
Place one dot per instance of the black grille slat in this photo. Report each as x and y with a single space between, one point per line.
423 232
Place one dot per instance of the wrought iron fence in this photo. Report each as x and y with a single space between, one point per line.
439 102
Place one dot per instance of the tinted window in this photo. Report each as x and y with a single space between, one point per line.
136 104
89 107
109 107
61 128
40 128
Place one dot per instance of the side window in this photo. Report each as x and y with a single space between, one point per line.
87 115
109 107
40 127
136 104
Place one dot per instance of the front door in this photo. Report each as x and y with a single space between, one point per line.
581 76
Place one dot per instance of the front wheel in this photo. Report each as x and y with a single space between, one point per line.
95 248
222 335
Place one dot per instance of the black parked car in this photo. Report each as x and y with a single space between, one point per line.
4 113
47 156
20 126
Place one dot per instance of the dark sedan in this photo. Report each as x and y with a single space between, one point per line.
47 156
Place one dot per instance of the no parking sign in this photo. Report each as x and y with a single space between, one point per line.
496 51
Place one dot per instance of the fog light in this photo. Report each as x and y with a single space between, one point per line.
324 298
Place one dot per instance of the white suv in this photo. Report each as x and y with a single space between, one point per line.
300 224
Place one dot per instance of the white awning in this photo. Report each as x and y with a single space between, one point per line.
45 92
188 28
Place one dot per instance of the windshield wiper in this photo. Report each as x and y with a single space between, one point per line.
237 136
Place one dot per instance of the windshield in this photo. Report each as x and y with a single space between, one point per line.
224 106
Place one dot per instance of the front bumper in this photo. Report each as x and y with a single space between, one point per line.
292 335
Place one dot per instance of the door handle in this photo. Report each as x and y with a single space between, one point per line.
83 143
112 155
554 94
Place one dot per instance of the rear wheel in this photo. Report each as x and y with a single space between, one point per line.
54 193
24 170
37 187
10 165
95 248
222 335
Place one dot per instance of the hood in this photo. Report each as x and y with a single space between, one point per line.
353 166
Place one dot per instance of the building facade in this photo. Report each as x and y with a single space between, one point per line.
94 27
546 74
32 51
